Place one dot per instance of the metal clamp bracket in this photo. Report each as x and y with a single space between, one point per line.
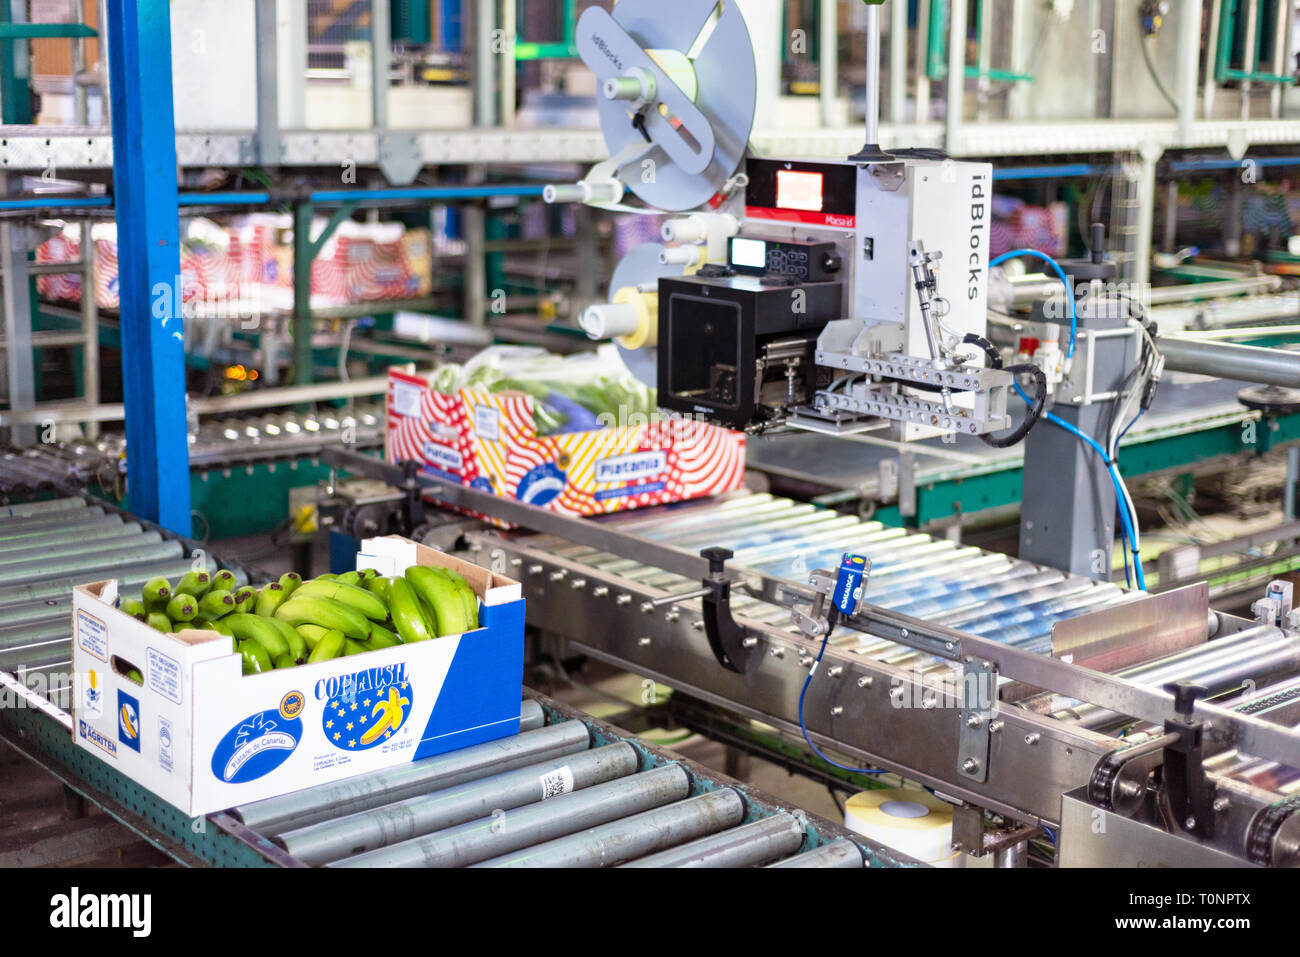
726 637
845 589
979 693
1190 790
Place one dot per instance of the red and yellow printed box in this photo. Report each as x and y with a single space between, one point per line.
489 440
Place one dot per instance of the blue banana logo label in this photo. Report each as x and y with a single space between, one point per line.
256 746
128 720
369 711
541 484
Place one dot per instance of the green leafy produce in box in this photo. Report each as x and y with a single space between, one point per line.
576 393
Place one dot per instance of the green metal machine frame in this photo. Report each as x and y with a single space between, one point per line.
1226 39
936 48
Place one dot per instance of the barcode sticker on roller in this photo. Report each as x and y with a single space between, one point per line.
557 782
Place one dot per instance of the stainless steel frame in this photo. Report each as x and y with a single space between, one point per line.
864 707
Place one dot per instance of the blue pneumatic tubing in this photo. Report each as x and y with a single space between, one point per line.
1069 290
1126 520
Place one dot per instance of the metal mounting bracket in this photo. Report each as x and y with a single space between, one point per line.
978 695
1191 792
726 637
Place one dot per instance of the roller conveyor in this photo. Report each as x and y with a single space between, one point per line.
49 547
912 572
214 444
500 804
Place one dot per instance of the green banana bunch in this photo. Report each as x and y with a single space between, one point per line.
194 583
156 592
289 622
443 596
410 619
467 595
317 610
269 599
363 601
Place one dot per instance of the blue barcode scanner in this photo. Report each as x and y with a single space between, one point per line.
848 583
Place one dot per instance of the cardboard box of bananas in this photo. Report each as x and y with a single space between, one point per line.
292 622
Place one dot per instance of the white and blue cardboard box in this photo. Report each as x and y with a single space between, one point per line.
204 737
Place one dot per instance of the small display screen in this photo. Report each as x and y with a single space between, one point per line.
798 189
749 253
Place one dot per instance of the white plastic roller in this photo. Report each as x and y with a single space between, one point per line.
711 229
609 320
680 255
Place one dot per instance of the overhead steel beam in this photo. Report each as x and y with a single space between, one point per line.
148 230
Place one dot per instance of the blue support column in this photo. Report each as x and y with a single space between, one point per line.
148 243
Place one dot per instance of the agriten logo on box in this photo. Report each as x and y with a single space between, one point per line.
625 468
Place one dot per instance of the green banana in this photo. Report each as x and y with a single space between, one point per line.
351 647
269 599
350 578
379 587
194 583
408 617
159 622
317 610
224 580
381 638
312 634
363 601
134 608
442 597
256 660
245 598
252 628
368 574
156 592
285 661
133 674
290 581
296 642
329 646
327 577
216 603
217 625
183 608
